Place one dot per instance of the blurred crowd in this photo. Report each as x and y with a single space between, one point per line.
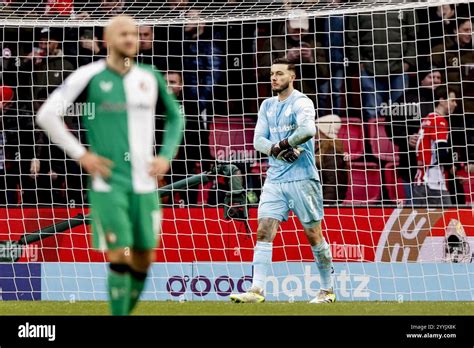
364 66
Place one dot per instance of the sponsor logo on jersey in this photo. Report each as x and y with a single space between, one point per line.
285 128
106 86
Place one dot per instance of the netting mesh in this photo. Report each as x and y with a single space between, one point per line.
375 72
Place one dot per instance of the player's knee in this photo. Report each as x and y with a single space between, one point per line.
142 259
119 256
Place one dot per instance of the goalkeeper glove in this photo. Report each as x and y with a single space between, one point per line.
279 147
284 152
290 155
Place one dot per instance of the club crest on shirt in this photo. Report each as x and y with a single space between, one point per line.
288 111
111 237
106 86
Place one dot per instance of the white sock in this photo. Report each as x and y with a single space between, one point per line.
323 258
262 257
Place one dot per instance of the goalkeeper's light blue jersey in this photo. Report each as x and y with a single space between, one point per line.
279 120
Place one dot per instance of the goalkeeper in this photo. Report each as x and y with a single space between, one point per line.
124 202
285 131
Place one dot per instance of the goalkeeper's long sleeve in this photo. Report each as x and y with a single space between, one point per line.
305 119
262 132
174 126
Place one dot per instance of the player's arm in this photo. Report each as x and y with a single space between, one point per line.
305 130
173 132
261 136
443 151
305 121
49 117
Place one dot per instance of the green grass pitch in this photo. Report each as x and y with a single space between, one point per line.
226 308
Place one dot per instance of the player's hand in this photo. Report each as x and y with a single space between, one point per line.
35 167
289 155
470 169
412 140
96 165
53 175
279 147
306 53
159 166
293 54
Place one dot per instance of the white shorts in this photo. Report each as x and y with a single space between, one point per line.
303 197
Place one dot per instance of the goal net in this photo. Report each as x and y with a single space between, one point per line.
392 83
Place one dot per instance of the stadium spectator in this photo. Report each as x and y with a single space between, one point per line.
61 8
89 48
8 66
402 121
148 52
17 139
384 56
112 7
441 19
193 154
203 62
456 55
333 41
433 154
45 67
295 41
58 179
330 159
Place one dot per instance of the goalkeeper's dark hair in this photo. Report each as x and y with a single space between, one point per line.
285 60
442 93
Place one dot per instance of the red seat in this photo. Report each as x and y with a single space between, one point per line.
365 183
231 138
352 135
382 147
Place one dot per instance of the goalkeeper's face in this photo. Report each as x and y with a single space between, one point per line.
123 38
281 77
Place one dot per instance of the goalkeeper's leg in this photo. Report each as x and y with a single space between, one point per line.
323 258
308 206
262 259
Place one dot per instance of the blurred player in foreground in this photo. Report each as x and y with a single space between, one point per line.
285 132
123 98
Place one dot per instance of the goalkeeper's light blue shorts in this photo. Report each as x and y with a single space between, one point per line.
303 197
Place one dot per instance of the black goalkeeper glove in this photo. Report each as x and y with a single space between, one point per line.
283 151
289 155
279 147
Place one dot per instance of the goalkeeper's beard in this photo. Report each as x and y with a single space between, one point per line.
282 88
